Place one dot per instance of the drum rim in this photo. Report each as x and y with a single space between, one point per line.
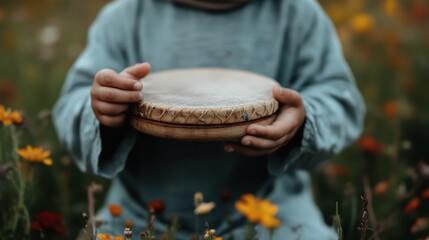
195 132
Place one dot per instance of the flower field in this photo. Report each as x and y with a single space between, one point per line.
378 188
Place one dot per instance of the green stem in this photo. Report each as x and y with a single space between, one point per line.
271 234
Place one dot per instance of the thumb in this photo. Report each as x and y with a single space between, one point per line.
137 71
286 96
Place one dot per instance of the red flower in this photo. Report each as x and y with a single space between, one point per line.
49 222
425 193
371 145
412 205
336 171
156 207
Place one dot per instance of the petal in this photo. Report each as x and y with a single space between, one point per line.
47 162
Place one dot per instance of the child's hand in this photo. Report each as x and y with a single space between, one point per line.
112 93
263 140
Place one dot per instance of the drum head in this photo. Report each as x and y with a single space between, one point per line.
203 103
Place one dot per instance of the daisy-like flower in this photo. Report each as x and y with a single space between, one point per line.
35 154
8 117
258 211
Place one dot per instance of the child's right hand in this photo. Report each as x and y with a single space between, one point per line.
112 92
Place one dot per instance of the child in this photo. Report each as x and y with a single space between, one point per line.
290 41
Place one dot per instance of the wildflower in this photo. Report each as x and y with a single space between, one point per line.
258 210
35 154
204 208
198 198
363 23
390 7
118 238
128 223
371 145
425 193
49 222
420 11
115 210
391 109
381 188
104 236
128 233
412 205
7 116
420 224
336 171
156 207
209 233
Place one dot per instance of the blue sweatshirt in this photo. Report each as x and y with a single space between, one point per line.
291 41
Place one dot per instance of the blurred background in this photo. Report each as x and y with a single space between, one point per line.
386 43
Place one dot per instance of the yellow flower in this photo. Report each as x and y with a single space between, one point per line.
7 116
258 211
104 236
390 7
115 210
36 154
363 23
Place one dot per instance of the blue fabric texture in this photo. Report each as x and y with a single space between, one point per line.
290 41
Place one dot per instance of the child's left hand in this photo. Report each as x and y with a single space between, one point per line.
262 140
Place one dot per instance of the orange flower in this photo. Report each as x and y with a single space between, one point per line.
381 188
412 205
425 193
218 238
7 116
362 23
37 155
258 210
118 238
104 236
129 223
115 210
391 109
371 145
336 171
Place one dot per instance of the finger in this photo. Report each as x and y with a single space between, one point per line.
110 78
273 131
247 151
137 71
110 109
114 95
286 96
111 121
263 143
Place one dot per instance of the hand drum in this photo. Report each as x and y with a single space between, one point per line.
203 104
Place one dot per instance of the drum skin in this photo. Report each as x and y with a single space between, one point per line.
203 104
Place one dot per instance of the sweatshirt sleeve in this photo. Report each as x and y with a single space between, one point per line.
76 125
334 106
